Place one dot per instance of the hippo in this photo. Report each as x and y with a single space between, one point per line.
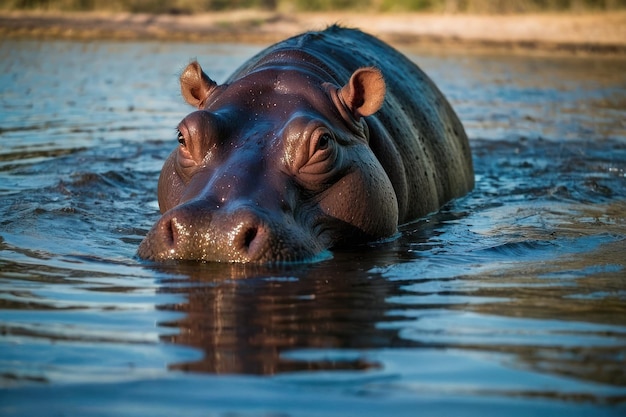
323 141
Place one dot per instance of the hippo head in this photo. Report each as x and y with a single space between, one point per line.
274 166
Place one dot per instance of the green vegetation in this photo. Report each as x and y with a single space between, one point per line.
197 6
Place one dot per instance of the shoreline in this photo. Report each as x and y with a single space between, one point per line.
569 34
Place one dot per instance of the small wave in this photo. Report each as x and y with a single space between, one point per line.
520 249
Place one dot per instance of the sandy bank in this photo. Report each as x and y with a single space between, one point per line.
602 33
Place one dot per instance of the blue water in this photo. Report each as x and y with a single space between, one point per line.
510 301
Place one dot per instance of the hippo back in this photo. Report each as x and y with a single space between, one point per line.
416 135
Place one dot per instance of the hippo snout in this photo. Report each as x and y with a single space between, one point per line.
193 232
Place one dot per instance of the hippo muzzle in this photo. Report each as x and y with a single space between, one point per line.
192 231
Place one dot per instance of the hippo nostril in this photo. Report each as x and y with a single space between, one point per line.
249 236
174 233
168 233
162 241
251 239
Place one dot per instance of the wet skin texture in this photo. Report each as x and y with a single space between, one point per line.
325 140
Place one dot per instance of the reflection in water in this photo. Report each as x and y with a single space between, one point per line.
243 326
513 296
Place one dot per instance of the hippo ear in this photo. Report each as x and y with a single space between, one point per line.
196 85
365 92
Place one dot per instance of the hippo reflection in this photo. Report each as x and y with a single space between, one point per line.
325 140
249 326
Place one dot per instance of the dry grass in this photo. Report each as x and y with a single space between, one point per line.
289 6
595 33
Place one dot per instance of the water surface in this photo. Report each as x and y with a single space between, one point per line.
510 300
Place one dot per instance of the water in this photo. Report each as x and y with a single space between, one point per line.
510 300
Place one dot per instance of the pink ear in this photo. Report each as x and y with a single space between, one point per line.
365 92
195 85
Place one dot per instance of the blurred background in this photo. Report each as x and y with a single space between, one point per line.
438 6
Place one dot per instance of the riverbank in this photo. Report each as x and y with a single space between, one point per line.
592 33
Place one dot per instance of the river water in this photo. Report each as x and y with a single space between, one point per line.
510 300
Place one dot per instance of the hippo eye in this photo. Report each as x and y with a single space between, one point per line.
324 141
181 138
